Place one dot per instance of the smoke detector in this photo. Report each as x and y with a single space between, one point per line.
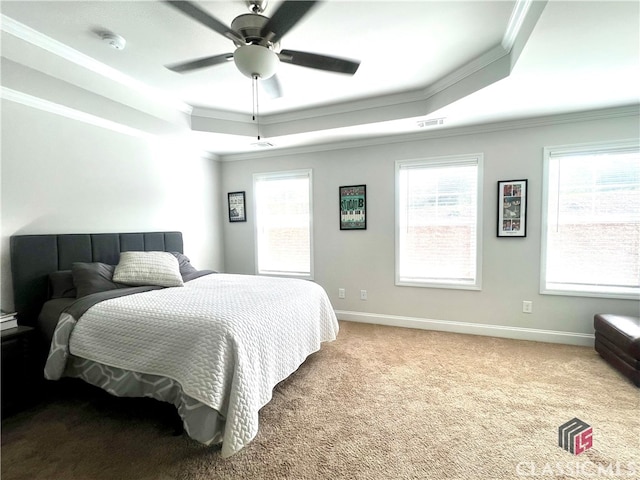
113 40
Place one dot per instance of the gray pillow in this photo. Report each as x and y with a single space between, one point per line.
148 268
94 277
61 285
184 264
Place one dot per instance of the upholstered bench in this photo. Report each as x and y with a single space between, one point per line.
618 342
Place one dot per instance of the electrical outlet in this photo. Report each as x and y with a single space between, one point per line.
527 306
341 293
363 294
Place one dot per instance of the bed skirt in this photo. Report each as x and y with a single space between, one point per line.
201 422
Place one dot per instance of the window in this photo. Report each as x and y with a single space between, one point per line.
438 235
591 221
283 223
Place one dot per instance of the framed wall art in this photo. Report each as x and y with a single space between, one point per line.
353 207
512 208
237 211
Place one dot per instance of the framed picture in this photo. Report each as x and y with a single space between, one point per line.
236 207
353 207
512 208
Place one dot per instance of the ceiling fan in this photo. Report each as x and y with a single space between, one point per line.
257 39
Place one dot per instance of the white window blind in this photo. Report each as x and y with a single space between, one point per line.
283 223
591 231
438 237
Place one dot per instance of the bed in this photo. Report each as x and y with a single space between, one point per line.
127 312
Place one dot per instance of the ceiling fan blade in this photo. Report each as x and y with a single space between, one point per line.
272 86
284 18
195 12
321 62
200 63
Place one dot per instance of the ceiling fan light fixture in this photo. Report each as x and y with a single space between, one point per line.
256 60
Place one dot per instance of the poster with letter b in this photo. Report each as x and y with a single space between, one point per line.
353 207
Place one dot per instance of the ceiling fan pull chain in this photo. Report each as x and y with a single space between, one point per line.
256 106
253 98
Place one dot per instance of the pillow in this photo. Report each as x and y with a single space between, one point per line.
61 285
93 278
148 268
184 264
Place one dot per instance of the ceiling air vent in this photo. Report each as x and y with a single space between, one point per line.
262 144
432 122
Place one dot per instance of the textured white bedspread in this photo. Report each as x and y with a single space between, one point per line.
227 339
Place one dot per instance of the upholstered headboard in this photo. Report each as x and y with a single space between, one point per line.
34 257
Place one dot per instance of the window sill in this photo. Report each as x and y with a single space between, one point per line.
442 285
593 294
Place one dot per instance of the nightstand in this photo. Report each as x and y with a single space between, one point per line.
19 379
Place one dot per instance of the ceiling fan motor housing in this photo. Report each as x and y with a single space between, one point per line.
249 27
256 57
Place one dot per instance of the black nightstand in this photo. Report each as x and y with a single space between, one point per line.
19 378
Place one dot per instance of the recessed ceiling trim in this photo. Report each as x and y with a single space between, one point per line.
28 34
451 131
367 106
483 61
382 101
216 114
520 10
489 67
310 113
62 110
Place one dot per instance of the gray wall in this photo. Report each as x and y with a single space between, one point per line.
357 260
63 176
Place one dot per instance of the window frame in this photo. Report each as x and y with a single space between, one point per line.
461 159
575 149
298 173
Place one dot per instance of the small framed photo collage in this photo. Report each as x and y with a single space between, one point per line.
512 208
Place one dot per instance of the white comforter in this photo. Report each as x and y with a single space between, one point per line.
227 339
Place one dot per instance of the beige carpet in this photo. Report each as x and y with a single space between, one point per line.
379 403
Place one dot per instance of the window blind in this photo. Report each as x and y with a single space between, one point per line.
592 232
437 237
283 223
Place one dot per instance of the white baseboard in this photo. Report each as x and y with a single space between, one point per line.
518 333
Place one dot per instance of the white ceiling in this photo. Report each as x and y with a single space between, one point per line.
420 60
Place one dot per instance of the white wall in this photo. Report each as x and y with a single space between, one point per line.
357 260
60 175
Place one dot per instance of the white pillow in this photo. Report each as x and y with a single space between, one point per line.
148 268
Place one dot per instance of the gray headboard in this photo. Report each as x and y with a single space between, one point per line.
34 257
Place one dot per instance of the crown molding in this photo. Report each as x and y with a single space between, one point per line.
479 63
217 114
443 132
514 26
62 110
